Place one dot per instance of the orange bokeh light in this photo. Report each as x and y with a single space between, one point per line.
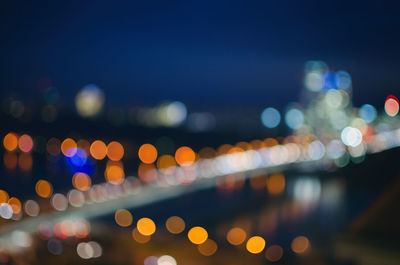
81 181
276 184
185 156
15 205
300 244
115 151
68 147
114 173
3 196
98 150
10 160
10 141
43 188
147 153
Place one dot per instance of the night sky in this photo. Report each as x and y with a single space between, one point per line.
206 54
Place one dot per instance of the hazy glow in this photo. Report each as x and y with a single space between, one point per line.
175 224
300 244
274 253
236 236
208 248
307 190
276 184
89 101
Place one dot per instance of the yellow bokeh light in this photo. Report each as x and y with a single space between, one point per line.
115 151
68 147
10 141
81 181
123 217
236 236
43 188
276 184
185 156
146 226
255 244
300 244
197 235
208 248
147 153
175 225
98 150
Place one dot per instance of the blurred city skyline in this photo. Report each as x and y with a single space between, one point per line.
207 55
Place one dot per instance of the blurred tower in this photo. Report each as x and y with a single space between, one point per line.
326 98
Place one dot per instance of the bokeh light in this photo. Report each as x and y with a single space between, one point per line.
236 236
197 235
98 150
10 141
294 118
207 248
368 113
146 226
43 188
300 244
274 253
123 217
255 244
185 156
115 151
81 181
270 117
25 143
147 153
68 147
15 204
392 106
276 184
89 101
139 237
175 224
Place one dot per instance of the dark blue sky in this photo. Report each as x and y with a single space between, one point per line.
206 54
